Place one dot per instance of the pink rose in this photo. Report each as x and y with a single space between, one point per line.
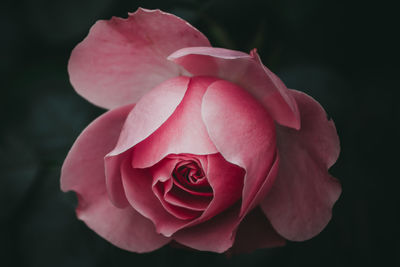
202 146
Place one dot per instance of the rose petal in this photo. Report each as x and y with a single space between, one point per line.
174 194
151 112
183 132
215 235
218 233
89 150
122 59
148 115
255 232
266 186
246 71
114 186
138 188
300 202
277 104
179 212
125 228
162 171
243 132
226 180
160 189
181 198
83 172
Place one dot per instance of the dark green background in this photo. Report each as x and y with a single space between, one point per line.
343 53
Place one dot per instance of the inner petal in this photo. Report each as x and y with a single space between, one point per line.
189 176
180 184
181 198
160 190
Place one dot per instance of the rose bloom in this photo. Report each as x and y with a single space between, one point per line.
201 146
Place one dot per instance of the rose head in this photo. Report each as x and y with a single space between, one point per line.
202 146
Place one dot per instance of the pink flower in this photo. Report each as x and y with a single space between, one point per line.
202 146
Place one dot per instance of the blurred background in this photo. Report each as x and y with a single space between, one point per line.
340 52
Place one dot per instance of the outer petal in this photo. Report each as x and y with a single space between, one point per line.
246 71
83 172
300 202
147 116
122 59
151 112
243 132
125 228
217 234
183 132
255 232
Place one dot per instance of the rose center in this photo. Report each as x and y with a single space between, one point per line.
189 175
189 170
